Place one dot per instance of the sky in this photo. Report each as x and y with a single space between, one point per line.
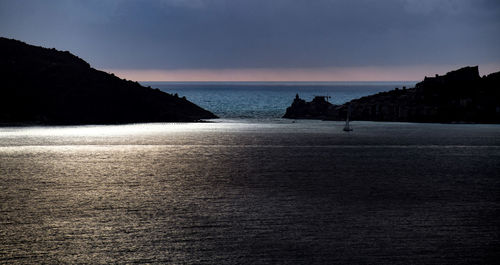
264 40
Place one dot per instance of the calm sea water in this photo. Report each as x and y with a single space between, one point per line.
250 191
263 100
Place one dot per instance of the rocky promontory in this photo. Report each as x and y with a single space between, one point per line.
456 97
47 86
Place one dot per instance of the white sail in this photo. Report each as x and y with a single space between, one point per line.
347 128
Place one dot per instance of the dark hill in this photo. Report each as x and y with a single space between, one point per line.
46 86
459 96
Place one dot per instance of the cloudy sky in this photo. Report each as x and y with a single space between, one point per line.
187 40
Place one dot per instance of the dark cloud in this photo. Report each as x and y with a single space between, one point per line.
185 34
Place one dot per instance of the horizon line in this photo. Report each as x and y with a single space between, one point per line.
275 81
410 73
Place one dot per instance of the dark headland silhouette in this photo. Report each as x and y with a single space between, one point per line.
46 86
459 96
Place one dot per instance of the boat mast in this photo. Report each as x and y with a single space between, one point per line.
347 127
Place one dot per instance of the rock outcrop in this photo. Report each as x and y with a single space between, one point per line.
458 96
318 108
46 86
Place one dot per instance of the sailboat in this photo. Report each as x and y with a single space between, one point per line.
348 128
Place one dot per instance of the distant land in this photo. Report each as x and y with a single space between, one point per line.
47 86
460 96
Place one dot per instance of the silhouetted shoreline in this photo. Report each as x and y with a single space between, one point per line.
460 96
48 87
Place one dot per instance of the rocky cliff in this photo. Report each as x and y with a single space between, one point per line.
459 96
46 86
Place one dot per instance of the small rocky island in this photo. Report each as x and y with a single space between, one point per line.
47 86
460 96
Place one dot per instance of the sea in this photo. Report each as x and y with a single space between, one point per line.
250 187
268 100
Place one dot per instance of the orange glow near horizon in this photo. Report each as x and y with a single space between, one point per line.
404 73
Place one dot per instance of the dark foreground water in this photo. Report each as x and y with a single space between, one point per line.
246 192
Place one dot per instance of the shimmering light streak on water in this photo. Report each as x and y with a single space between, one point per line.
250 192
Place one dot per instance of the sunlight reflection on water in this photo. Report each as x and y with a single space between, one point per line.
251 192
